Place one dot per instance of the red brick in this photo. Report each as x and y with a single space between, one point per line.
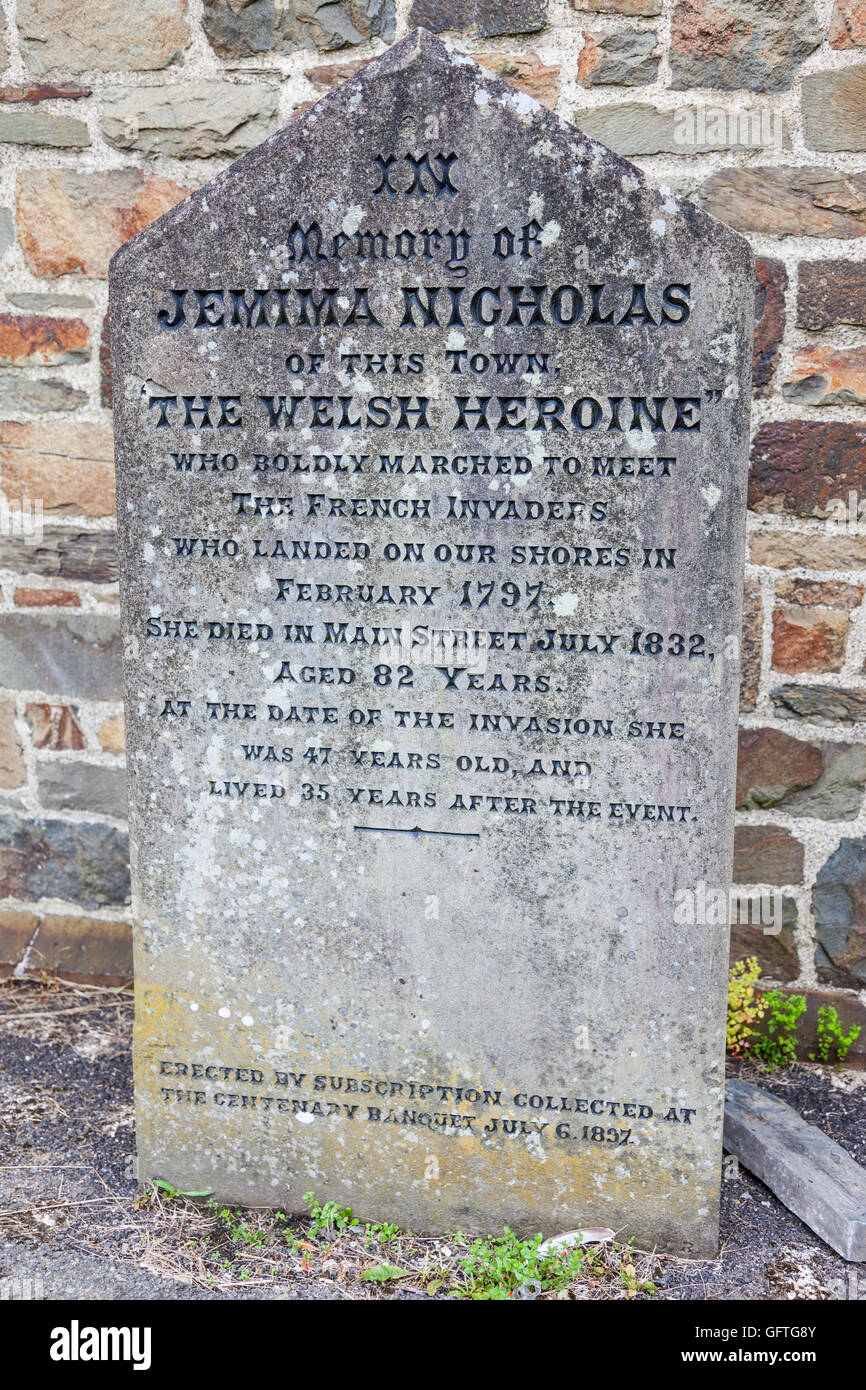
47 598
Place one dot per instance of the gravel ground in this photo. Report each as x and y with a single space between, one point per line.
70 1215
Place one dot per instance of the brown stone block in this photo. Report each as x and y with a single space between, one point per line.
13 770
785 550
772 281
41 341
848 24
831 293
771 765
54 727
752 644
804 467
71 220
827 376
767 854
788 202
70 466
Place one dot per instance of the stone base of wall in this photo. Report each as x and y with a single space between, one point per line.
87 950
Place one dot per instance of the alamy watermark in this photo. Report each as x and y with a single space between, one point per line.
22 521
716 127
705 906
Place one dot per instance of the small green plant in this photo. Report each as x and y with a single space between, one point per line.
327 1216
501 1266
169 1192
380 1232
745 1005
236 1228
830 1036
777 1047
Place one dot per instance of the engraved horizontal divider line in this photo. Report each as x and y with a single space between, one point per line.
419 830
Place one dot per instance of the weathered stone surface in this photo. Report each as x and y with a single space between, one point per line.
63 553
834 109
848 24
628 57
101 35
195 121
838 792
287 899
62 653
764 925
639 8
630 127
811 624
804 467
839 908
752 645
29 395
89 949
527 72
83 787
39 128
827 376
749 44
40 341
814 1176
54 727
806 779
106 394
69 466
767 854
772 766
487 18
639 128
112 738
785 550
788 202
13 769
772 280
70 220
86 864
244 28
831 293
40 302
46 598
819 703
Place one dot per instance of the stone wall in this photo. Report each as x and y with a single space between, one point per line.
110 111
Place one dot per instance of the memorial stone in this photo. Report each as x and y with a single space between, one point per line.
431 436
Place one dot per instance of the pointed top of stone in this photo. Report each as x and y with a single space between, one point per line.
339 115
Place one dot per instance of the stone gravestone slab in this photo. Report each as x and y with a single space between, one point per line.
431 445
